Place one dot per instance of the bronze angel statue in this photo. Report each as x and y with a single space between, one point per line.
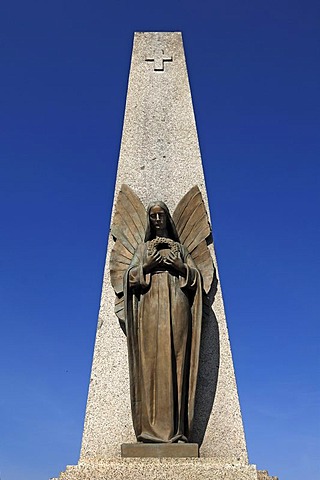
160 269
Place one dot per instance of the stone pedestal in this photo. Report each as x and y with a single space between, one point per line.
160 450
160 160
159 469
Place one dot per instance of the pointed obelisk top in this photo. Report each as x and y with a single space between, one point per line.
160 156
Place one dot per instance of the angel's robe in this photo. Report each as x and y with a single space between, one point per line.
163 324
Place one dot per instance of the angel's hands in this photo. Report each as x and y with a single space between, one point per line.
175 262
152 261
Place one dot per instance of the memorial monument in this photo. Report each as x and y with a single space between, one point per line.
163 401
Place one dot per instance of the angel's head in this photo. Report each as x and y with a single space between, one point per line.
159 222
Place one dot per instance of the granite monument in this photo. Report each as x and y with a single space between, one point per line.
169 381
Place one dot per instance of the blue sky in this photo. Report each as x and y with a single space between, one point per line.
254 74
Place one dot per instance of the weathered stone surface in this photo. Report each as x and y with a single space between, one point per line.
159 469
160 450
164 469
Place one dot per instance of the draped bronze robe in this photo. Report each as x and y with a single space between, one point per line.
163 324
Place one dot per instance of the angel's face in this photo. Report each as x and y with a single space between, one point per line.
158 220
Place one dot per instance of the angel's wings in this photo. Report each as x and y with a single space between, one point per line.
128 229
129 226
192 224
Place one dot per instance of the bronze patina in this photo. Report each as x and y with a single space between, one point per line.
160 268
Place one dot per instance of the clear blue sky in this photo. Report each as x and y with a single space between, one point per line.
254 73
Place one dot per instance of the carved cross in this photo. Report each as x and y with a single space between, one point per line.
159 59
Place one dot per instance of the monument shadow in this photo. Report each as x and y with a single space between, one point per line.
209 360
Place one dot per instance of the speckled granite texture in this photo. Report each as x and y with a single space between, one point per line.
159 469
160 160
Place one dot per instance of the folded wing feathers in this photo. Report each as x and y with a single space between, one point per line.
125 228
202 258
129 220
119 263
199 231
191 219
187 219
122 251
117 280
119 307
183 204
118 233
197 227
135 210
200 251
128 227
184 218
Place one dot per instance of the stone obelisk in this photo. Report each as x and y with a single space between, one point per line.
160 160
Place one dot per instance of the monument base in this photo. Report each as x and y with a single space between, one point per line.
160 450
159 469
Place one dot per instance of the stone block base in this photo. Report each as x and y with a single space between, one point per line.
160 450
158 469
